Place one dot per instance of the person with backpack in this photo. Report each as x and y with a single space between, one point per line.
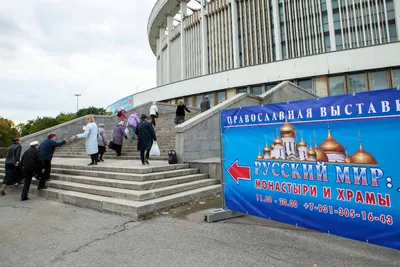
154 113
146 136
133 121
12 166
102 141
121 114
180 111
118 135
46 149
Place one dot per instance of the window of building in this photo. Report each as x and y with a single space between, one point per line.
189 101
337 85
357 83
221 96
241 90
396 77
378 80
270 86
307 84
199 98
212 99
257 90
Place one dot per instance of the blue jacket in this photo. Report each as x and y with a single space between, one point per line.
47 148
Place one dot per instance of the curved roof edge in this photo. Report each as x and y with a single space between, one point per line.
157 19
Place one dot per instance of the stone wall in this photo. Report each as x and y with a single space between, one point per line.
73 127
199 138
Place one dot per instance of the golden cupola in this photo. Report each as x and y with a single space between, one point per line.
287 130
321 155
259 156
278 141
266 149
311 153
330 145
348 158
363 157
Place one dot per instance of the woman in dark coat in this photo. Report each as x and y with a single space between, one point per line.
146 136
180 111
118 135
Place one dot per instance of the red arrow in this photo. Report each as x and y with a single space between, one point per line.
239 172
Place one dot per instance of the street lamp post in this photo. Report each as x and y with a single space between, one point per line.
77 101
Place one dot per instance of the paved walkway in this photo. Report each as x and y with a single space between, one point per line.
45 233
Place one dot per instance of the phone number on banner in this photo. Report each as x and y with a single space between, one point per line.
343 212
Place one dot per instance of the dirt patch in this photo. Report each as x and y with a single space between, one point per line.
194 207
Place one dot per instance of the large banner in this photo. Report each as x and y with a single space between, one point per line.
126 103
330 164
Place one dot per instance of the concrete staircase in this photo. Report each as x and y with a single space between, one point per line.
165 139
123 185
135 191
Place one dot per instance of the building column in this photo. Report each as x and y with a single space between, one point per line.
162 63
277 30
170 26
235 33
397 17
204 38
332 35
183 40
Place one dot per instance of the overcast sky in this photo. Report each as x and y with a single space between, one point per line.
53 49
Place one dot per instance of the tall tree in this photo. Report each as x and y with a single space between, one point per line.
8 132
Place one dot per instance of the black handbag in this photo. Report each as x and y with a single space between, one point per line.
111 145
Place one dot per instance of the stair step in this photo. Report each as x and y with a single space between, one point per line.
135 195
136 210
126 176
63 155
125 184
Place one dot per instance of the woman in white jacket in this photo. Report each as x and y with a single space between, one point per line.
90 135
153 113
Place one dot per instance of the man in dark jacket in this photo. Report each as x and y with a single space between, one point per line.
32 163
146 135
12 168
46 151
205 104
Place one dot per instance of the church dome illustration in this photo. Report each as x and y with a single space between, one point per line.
321 155
278 141
287 130
330 145
266 149
311 153
348 158
259 156
272 147
363 157
302 144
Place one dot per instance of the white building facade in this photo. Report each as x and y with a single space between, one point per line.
224 47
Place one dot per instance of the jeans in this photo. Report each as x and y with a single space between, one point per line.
133 132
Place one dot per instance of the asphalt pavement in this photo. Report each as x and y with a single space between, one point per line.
46 233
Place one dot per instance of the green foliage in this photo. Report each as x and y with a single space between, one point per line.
8 132
92 111
39 124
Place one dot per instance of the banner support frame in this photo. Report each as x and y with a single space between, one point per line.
223 213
